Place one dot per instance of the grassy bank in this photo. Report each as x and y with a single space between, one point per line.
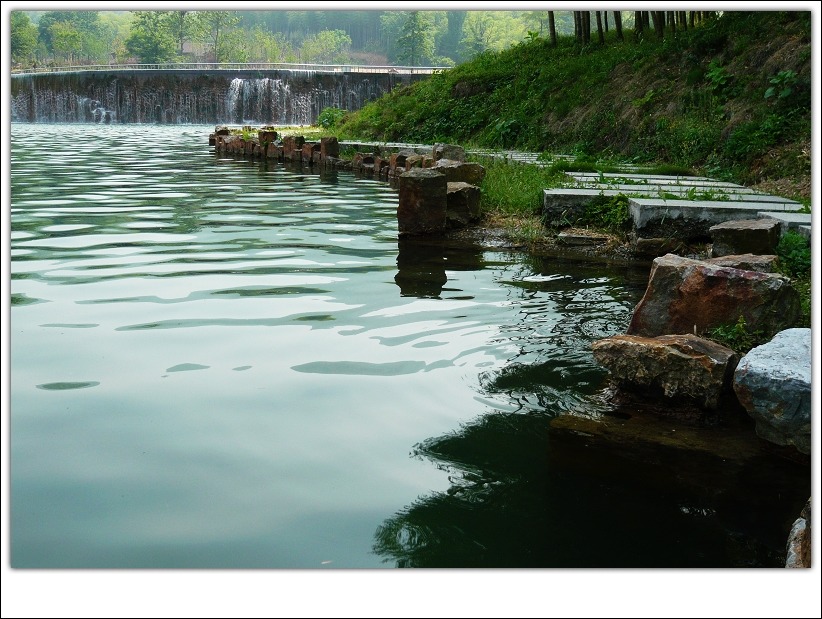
729 98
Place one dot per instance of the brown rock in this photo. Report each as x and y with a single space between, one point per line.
329 147
293 146
413 161
747 262
677 366
745 236
687 296
463 204
422 202
656 246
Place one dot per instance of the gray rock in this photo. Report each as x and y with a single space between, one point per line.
448 151
773 383
799 545
677 366
692 296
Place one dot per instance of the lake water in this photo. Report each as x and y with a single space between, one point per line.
226 363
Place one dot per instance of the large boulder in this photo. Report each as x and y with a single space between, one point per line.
685 367
773 383
799 540
463 204
422 203
692 296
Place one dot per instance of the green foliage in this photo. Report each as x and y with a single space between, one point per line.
416 43
152 39
608 212
737 336
515 188
23 37
329 117
782 85
794 254
624 99
327 47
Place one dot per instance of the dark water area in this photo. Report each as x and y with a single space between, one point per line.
224 363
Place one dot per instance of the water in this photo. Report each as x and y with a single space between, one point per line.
225 363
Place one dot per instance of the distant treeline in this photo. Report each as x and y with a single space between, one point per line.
418 38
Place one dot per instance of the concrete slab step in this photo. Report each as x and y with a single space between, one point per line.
645 211
797 222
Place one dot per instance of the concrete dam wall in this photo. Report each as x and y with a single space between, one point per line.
276 97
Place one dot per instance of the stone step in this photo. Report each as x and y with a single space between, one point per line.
645 211
651 179
797 222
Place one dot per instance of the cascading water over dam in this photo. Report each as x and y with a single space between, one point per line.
280 97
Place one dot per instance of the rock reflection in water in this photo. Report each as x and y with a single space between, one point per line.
524 495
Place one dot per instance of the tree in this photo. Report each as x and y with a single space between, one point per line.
214 25
618 25
66 41
23 37
416 43
185 27
552 28
152 39
327 47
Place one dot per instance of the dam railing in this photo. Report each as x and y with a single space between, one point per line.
232 66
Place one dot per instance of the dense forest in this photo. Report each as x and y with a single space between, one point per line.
412 38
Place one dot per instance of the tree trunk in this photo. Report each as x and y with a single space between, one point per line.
692 17
605 15
586 27
600 33
672 21
659 23
618 25
638 29
552 27
578 26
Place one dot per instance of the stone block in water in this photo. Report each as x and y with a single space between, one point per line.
329 147
422 202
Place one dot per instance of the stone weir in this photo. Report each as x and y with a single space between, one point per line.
273 97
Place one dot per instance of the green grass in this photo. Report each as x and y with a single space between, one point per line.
696 101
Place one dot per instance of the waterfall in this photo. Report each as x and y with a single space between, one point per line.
281 97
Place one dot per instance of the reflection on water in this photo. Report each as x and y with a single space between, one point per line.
224 363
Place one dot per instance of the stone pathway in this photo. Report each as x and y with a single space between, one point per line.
653 198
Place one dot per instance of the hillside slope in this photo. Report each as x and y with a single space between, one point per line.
731 98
